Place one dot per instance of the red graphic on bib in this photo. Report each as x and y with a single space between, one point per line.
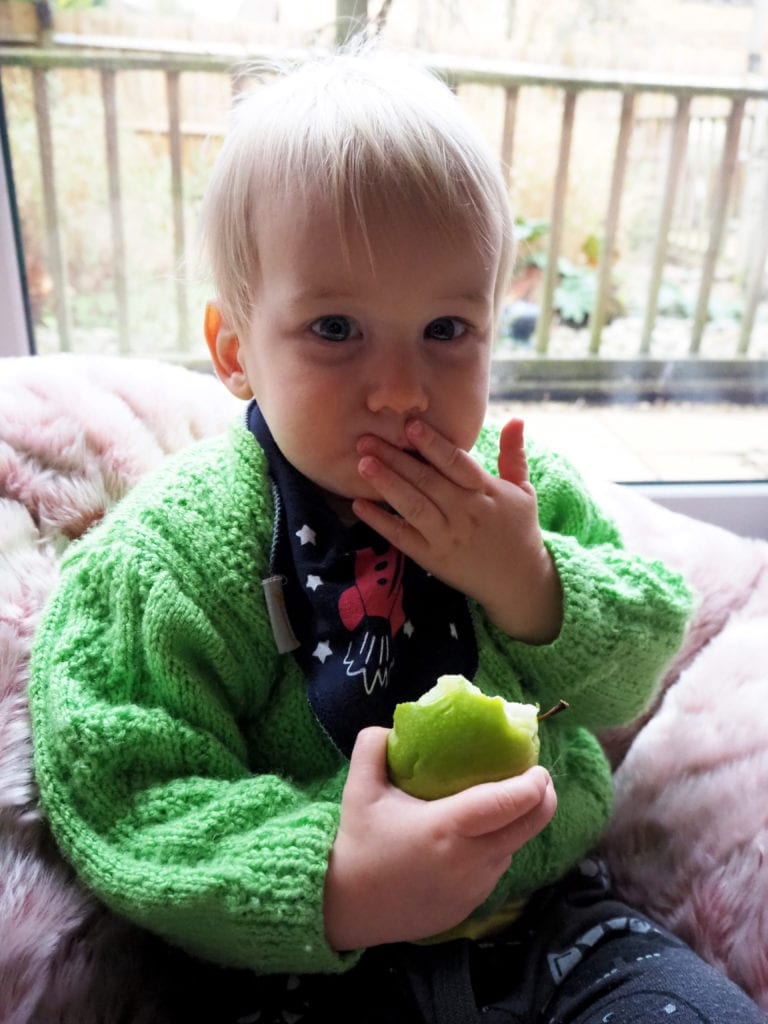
375 601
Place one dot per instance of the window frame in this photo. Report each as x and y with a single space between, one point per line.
740 506
17 336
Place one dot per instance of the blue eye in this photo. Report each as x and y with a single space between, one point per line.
445 328
335 328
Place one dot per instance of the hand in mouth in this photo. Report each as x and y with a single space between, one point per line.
415 455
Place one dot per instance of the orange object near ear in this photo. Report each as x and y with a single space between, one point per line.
212 322
224 346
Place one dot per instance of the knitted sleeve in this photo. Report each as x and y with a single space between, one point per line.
152 659
624 616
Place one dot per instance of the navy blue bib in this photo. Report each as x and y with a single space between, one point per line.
373 628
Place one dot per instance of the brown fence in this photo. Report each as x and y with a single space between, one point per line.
705 196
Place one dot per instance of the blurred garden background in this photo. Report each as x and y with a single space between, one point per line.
120 105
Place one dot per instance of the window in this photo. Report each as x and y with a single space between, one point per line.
635 335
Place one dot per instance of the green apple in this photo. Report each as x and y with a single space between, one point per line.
455 736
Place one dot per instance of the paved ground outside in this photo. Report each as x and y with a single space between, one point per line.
651 441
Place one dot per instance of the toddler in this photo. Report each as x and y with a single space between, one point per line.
215 675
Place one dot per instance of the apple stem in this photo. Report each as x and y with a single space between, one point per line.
560 706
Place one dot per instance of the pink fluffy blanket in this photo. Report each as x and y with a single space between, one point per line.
689 836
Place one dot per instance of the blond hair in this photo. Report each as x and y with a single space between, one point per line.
369 133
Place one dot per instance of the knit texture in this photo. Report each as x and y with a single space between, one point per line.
179 764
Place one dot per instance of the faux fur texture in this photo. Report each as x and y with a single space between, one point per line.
75 435
688 841
689 835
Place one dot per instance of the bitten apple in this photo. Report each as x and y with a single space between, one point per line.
455 736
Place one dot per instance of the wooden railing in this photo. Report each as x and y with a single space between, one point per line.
738 92
742 95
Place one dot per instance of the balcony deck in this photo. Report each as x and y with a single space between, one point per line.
651 441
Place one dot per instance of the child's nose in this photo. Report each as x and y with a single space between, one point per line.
398 385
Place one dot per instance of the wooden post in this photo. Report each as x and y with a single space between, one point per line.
50 202
108 92
177 198
730 153
44 18
556 223
674 170
756 271
508 132
611 222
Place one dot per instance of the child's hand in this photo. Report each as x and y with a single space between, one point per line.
477 533
403 869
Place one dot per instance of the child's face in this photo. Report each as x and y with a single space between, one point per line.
338 348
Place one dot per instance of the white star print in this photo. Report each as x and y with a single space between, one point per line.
306 535
454 631
313 582
322 651
408 628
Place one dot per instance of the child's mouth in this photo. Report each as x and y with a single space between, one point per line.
415 455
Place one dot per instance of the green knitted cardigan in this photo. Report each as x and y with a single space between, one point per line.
179 764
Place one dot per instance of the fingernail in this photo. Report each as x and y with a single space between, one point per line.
541 773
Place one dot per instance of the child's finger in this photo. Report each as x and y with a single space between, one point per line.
452 462
414 518
434 466
513 465
522 830
368 763
492 806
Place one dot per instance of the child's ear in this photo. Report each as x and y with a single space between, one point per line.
224 346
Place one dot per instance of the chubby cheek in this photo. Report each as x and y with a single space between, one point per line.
462 420
325 457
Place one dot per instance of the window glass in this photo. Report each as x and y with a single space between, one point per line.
634 335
